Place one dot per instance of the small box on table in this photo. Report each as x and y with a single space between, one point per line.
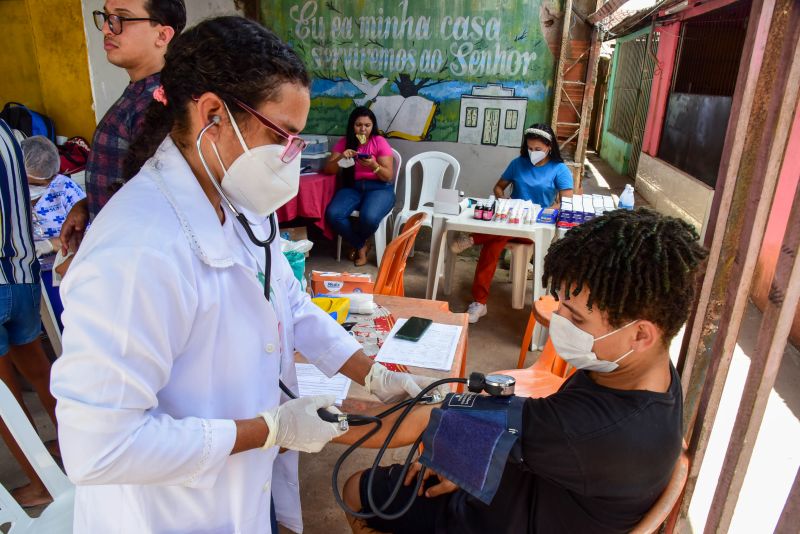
333 283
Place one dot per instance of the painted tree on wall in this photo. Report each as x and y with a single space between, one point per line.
411 62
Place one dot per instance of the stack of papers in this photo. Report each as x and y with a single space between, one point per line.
312 381
436 349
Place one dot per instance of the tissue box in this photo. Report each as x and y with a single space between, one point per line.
333 283
446 202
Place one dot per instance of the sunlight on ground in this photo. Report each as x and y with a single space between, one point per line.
773 465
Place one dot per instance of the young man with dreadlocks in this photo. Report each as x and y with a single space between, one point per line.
597 454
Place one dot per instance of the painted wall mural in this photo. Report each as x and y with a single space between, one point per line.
473 71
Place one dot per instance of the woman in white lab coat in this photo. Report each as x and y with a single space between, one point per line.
170 415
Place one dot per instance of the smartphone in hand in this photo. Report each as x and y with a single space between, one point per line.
363 156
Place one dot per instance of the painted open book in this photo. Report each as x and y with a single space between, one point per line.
404 117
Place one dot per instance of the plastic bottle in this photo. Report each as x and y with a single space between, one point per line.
626 198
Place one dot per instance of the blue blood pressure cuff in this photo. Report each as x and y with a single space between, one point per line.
470 438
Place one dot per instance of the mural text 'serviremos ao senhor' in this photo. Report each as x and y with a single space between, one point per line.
472 71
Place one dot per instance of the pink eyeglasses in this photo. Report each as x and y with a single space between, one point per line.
294 143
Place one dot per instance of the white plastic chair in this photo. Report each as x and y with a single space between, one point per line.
57 517
49 321
380 233
434 166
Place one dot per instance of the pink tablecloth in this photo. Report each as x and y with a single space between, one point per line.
316 192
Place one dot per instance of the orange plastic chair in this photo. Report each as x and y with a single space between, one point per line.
540 313
666 507
548 359
393 263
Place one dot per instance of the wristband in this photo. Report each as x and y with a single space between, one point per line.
376 169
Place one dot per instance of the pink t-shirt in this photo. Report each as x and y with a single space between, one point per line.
376 146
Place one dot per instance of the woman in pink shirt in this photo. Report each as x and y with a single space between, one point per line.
365 161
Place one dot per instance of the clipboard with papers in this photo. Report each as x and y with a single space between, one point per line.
436 349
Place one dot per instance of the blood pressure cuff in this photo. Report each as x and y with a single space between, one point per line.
470 438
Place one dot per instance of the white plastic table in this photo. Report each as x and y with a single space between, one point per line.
442 259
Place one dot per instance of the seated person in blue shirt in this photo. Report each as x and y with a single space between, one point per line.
53 196
597 454
539 175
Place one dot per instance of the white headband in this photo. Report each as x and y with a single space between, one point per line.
540 133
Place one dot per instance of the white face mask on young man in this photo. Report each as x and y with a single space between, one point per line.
575 346
258 180
536 156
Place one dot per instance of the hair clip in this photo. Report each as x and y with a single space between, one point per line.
159 95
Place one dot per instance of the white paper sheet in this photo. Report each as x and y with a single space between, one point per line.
312 381
435 349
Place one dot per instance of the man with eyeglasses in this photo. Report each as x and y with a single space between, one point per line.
136 34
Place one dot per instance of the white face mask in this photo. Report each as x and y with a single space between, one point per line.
536 156
258 180
37 190
575 346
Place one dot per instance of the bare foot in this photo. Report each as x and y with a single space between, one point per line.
31 495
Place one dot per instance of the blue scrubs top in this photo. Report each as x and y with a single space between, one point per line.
537 184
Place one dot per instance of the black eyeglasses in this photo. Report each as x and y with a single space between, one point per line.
115 21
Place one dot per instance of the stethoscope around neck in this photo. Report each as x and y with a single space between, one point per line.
248 228
246 224
497 385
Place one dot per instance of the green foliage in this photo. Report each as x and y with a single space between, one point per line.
328 115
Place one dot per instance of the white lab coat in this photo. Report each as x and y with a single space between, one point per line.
167 340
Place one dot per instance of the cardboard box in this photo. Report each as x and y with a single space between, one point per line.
297 233
332 283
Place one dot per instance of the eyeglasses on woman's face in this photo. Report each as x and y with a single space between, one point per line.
294 143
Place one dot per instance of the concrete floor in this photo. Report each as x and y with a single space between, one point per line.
494 344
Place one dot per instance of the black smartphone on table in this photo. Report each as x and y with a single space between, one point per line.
413 329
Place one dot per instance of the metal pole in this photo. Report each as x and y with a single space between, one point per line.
785 288
746 197
562 59
588 100
789 522
749 67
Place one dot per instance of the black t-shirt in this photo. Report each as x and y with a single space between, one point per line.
594 460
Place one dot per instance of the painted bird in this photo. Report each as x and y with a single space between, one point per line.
370 90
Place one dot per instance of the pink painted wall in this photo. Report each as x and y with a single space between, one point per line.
788 182
662 79
659 92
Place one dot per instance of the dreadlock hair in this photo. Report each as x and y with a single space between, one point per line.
232 57
555 152
636 265
349 174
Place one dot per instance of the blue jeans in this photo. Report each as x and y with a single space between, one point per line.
19 315
372 198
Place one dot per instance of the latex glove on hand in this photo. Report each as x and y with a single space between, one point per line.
390 386
295 425
43 248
